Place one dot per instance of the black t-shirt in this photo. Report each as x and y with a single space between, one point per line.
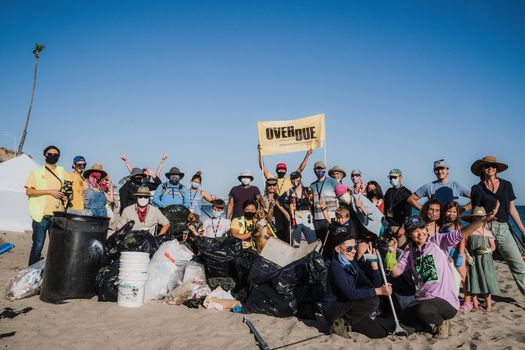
482 196
305 202
396 204
241 194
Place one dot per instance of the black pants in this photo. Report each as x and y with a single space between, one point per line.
357 313
422 313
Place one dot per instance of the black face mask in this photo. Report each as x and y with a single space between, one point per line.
249 215
281 174
370 193
52 158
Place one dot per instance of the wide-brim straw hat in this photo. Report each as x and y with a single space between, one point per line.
245 173
478 164
174 171
95 167
336 168
477 212
143 191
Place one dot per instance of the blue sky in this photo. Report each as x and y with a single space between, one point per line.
401 83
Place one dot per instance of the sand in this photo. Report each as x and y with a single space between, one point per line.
88 324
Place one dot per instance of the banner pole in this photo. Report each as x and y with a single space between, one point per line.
325 151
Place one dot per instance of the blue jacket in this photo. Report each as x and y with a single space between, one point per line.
342 285
170 194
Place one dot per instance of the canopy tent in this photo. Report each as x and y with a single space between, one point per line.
14 214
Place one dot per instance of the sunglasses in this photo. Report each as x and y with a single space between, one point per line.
440 168
490 166
356 175
350 248
52 154
142 196
393 177
271 185
80 165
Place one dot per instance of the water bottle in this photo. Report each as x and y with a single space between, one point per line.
6 247
237 309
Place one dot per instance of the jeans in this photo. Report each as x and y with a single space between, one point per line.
39 237
309 234
509 251
425 312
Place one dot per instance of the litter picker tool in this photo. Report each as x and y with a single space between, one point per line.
263 345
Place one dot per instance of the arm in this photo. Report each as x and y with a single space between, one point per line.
234 231
161 164
229 210
412 200
468 230
31 192
125 159
305 160
324 211
110 195
360 205
265 171
187 197
164 229
156 197
402 263
260 199
516 216
207 197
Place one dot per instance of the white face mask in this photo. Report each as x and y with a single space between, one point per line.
345 198
394 182
246 181
142 202
216 214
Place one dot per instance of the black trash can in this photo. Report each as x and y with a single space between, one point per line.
75 253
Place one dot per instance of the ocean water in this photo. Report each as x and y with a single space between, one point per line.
521 211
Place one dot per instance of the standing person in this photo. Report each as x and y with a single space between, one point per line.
240 194
146 216
95 198
130 187
197 194
359 185
494 193
481 275
323 189
173 191
283 183
217 226
299 204
337 173
436 290
271 199
375 194
79 165
396 205
44 197
431 214
443 189
452 222
152 180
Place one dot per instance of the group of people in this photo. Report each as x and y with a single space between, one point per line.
427 256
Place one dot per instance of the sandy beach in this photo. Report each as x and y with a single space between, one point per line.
89 324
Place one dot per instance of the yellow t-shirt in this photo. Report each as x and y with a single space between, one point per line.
51 203
78 191
236 224
283 185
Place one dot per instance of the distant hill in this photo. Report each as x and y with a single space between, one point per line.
6 154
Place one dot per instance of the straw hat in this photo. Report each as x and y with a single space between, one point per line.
477 212
174 171
95 167
336 168
478 164
143 191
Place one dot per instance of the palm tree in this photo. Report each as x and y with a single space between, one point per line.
36 52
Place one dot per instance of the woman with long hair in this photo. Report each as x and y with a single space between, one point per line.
375 194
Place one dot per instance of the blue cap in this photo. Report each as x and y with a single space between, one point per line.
79 159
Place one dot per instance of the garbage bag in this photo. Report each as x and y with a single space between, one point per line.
219 299
165 268
106 282
194 273
218 254
138 241
111 247
262 270
178 216
26 282
263 299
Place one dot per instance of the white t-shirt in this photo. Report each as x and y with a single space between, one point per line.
216 227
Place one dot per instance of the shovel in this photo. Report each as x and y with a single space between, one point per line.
399 331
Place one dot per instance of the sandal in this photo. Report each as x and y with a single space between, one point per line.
466 307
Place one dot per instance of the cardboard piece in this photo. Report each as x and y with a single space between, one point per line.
282 253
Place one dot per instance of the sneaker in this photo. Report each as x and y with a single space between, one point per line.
441 332
466 307
341 328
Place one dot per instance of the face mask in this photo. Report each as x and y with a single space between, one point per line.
195 185
249 215
394 182
142 202
216 214
320 173
296 182
345 198
96 176
281 174
52 158
246 181
174 179
370 193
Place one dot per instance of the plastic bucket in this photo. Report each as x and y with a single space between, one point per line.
131 289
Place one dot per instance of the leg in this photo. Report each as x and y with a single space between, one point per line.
509 251
296 235
39 238
353 310
435 311
475 302
309 234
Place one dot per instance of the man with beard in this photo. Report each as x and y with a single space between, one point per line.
173 191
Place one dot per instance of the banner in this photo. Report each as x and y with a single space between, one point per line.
286 136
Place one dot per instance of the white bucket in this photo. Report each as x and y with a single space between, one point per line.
133 274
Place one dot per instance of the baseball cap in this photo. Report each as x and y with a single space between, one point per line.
319 164
295 175
340 190
440 164
79 159
395 172
413 222
280 166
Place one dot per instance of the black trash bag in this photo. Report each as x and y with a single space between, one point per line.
164 238
178 216
263 299
138 241
262 270
106 282
111 247
218 254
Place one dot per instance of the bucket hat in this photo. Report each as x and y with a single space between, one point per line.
245 173
174 171
477 212
95 167
336 168
478 164
137 172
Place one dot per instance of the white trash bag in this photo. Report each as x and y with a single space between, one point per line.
165 268
26 282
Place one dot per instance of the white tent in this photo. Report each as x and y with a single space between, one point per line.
14 214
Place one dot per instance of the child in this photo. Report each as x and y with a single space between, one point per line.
481 275
217 226
341 222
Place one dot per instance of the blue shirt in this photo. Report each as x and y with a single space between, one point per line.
326 190
444 192
170 194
